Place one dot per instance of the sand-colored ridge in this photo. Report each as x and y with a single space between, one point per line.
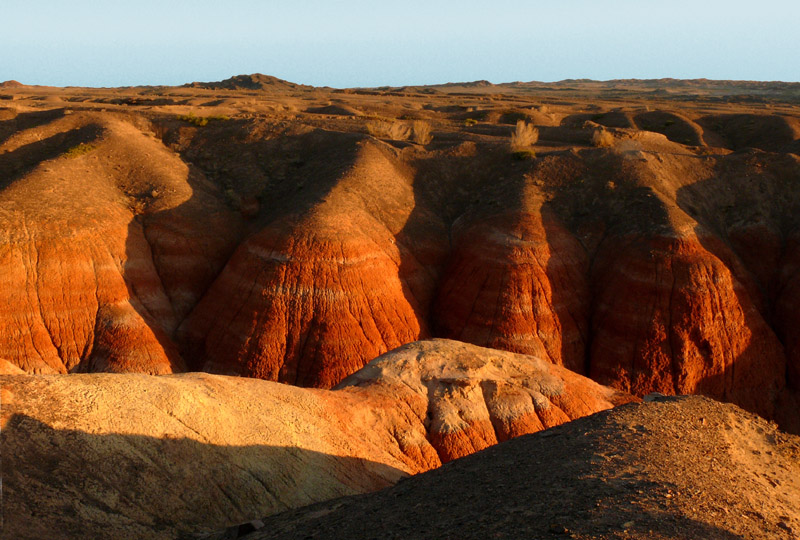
160 456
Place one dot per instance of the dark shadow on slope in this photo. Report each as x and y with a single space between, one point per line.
739 131
27 120
600 200
571 481
22 160
243 180
66 484
489 290
752 209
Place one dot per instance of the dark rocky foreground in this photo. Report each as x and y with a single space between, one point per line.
674 468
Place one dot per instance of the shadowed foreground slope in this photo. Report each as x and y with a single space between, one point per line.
155 456
685 467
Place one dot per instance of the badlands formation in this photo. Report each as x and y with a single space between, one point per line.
631 237
161 457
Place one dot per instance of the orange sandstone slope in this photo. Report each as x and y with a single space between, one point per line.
156 457
328 284
108 240
295 247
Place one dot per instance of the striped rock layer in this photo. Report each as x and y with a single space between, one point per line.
288 253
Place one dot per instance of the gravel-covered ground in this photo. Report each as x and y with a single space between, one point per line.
676 467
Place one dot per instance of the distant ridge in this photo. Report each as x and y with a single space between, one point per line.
11 84
474 84
256 81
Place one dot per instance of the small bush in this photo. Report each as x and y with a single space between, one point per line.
79 150
421 132
389 129
192 119
470 122
524 136
201 121
602 138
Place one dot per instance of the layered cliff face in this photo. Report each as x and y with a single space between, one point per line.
298 249
106 244
313 296
135 456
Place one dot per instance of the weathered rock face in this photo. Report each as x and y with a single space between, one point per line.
517 281
157 457
696 328
88 285
298 254
472 397
314 296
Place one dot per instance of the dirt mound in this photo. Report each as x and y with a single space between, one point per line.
772 133
613 119
683 467
473 397
11 84
339 110
677 128
152 457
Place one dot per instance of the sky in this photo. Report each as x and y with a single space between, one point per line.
350 43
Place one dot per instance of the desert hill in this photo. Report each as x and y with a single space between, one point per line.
295 234
256 81
140 456
684 467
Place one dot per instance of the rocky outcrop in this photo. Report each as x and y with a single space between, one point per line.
156 457
472 398
312 297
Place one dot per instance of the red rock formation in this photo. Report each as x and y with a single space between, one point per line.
672 317
312 298
517 281
82 290
650 265
198 451
471 398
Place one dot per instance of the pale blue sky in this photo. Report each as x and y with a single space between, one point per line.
370 43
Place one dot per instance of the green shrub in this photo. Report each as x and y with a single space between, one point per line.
201 121
81 149
470 122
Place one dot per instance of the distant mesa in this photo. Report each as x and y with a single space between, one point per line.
256 81
11 84
474 84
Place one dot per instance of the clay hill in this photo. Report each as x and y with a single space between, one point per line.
140 456
649 239
679 467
